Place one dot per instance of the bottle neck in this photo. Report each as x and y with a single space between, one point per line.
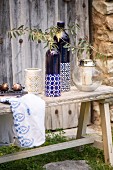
61 24
54 46
60 28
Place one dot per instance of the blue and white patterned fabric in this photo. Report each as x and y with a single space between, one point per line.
28 115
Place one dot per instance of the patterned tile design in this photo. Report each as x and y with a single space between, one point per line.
52 85
65 76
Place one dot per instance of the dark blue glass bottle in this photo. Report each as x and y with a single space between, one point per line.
61 39
52 73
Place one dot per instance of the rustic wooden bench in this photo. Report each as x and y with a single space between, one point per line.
104 94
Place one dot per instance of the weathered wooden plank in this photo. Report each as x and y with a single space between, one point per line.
61 13
71 19
5 109
65 110
56 114
70 116
5 45
44 27
46 149
48 118
82 19
38 20
64 116
24 48
21 56
83 119
56 11
50 13
6 131
106 132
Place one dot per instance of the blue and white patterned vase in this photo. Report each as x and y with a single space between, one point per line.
52 74
61 39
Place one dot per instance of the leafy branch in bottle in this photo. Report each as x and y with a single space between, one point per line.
36 35
47 37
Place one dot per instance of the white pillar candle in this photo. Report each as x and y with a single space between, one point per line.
86 75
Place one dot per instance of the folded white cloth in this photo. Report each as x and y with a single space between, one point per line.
28 116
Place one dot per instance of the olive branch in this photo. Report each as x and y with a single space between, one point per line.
36 35
48 35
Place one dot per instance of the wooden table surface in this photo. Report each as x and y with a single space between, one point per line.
74 95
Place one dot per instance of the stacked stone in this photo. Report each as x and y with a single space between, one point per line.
102 15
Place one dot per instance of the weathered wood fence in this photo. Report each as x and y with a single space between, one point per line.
15 56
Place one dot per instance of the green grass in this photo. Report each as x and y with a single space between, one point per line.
93 156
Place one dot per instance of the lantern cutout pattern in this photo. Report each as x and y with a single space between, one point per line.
33 80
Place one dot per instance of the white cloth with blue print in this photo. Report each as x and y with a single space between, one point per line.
29 117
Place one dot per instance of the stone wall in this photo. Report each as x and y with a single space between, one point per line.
102 21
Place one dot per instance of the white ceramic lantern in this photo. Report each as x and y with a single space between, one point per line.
86 77
33 80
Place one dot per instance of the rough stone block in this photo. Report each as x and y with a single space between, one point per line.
105 36
106 48
110 65
109 22
103 7
68 165
98 18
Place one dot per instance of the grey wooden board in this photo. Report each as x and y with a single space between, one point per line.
5 44
46 149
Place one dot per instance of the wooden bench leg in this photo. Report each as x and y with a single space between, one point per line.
106 132
83 119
